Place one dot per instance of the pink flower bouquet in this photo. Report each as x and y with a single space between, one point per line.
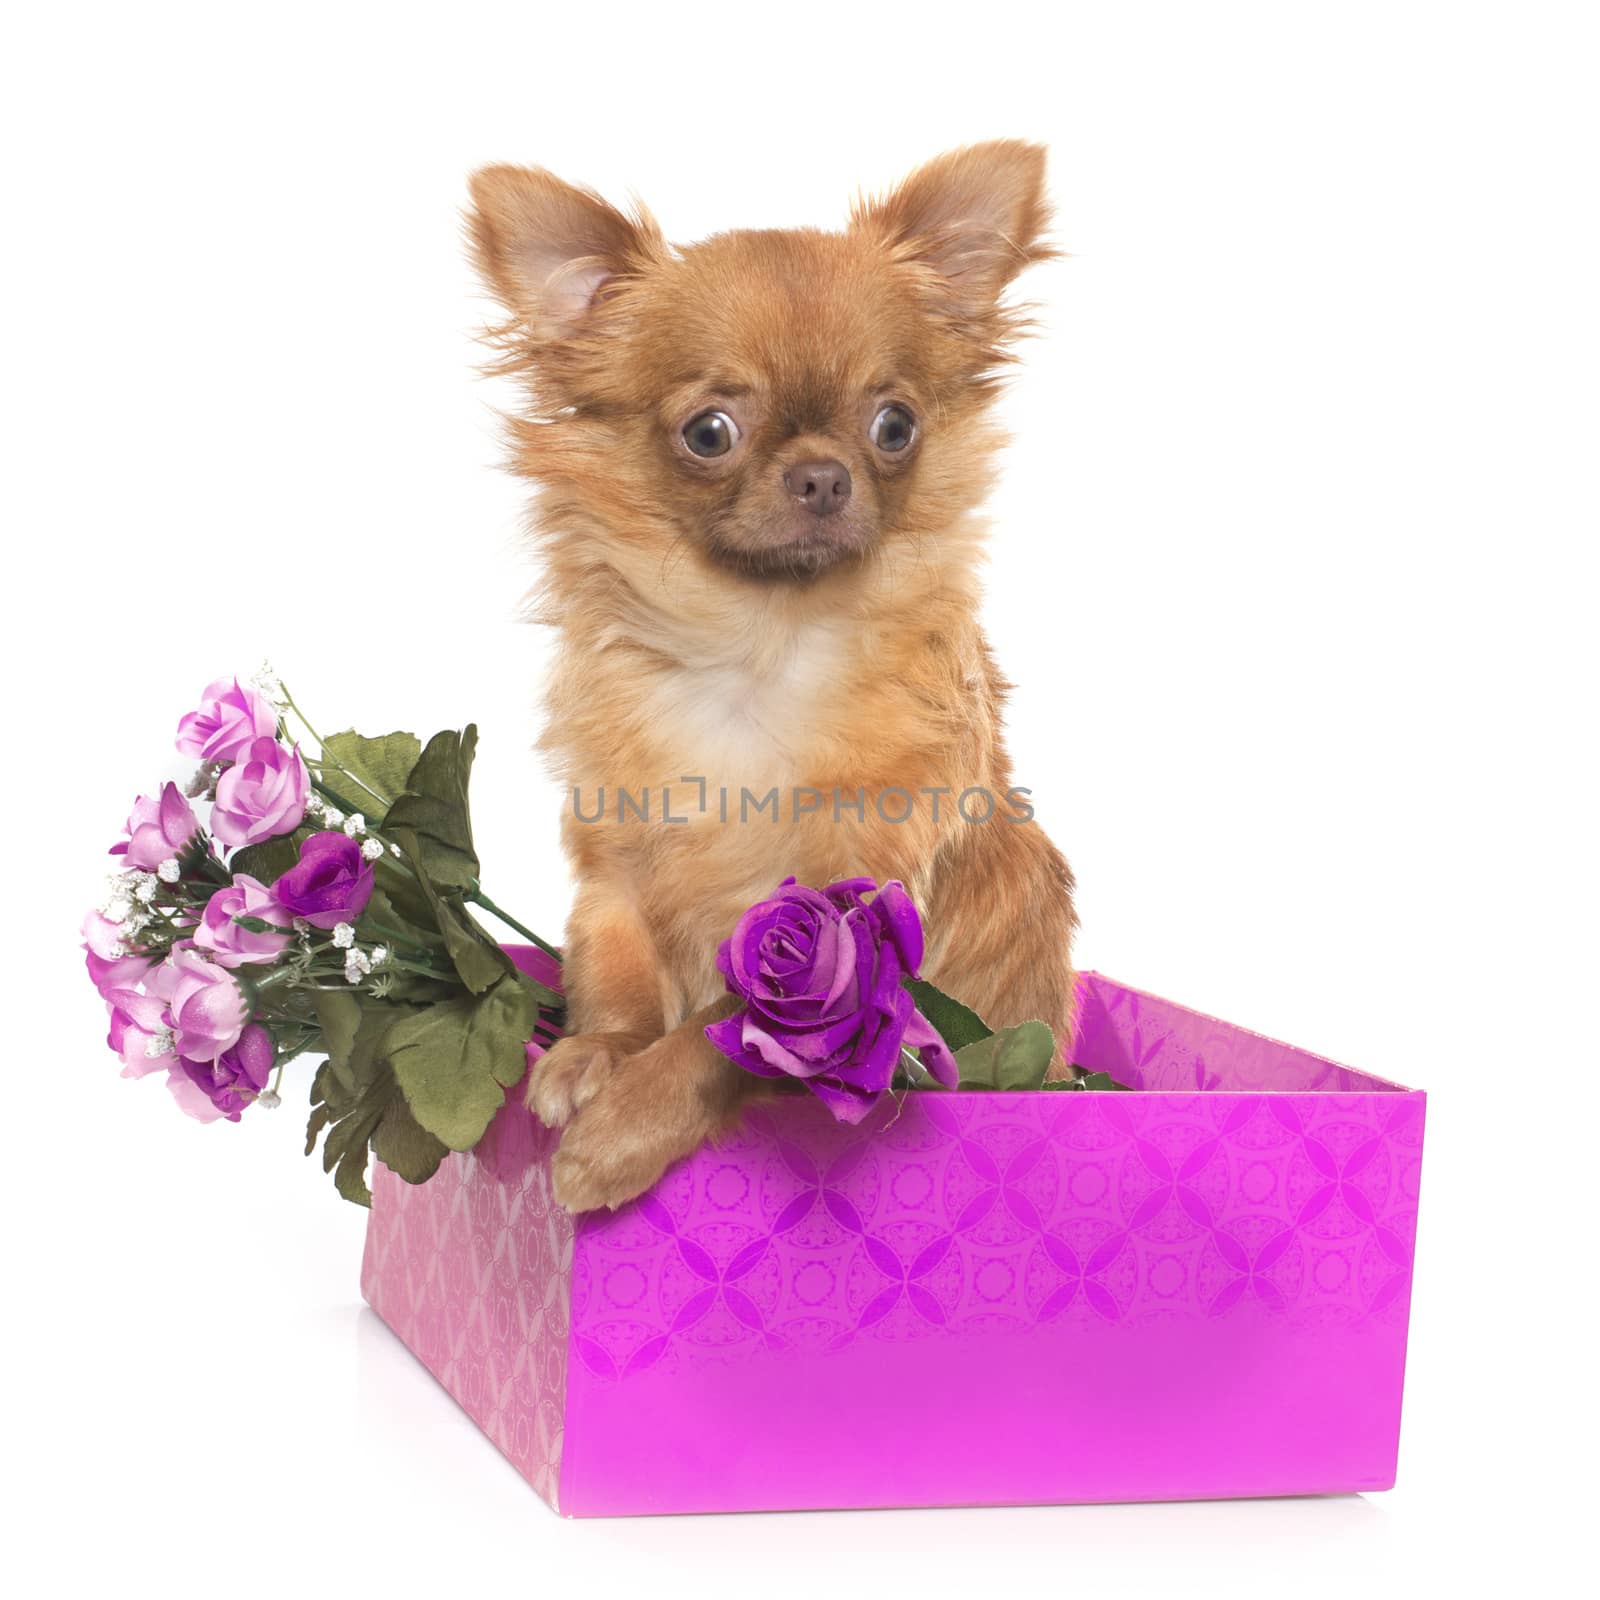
324 907
327 905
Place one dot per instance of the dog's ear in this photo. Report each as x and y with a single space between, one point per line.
976 216
548 249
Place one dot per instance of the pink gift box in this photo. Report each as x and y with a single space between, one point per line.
1196 1290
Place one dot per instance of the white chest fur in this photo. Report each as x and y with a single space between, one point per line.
753 708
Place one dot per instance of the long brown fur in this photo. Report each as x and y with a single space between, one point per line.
709 631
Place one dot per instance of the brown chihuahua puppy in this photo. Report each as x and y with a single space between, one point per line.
759 460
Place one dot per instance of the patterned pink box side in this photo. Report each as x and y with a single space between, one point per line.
1003 1298
474 1274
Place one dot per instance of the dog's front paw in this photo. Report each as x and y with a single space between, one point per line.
659 1105
572 1072
610 1153
643 1117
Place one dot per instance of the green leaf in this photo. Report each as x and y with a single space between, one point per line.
339 1017
404 1146
354 1031
337 1109
1089 1080
479 961
398 886
381 766
1014 1058
345 1148
453 1059
325 1088
956 1024
269 860
320 1116
383 921
351 1177
977 1065
328 1094
433 813
376 1119
350 1132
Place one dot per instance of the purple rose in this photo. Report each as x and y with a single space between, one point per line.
157 830
819 972
329 884
262 796
230 719
224 1087
205 1008
226 942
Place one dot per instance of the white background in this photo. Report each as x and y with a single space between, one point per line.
1294 565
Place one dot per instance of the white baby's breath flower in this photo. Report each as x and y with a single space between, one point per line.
372 849
169 871
355 825
142 885
356 966
159 1043
380 954
269 1099
266 680
344 935
332 815
394 849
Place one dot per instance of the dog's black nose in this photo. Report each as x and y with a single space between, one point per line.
822 487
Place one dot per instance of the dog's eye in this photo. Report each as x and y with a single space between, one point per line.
892 429
712 433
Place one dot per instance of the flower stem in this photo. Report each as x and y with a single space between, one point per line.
289 1055
393 937
213 869
349 807
325 760
476 895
